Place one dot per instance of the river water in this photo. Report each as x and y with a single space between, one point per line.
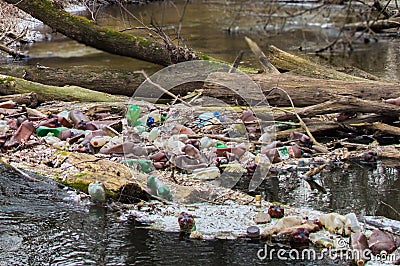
42 224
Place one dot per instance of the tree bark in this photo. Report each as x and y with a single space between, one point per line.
12 85
376 26
117 82
304 91
87 32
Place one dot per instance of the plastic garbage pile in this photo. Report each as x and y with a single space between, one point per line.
212 145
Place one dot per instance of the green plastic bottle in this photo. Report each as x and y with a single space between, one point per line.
132 114
145 166
158 188
43 130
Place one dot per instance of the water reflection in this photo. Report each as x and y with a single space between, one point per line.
202 30
371 190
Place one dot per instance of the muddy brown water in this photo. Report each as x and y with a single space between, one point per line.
41 224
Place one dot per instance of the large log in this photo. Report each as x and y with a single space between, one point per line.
86 31
118 82
13 85
304 91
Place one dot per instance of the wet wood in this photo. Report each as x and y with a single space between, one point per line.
88 32
379 25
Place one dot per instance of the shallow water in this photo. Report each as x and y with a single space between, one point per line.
42 224
202 30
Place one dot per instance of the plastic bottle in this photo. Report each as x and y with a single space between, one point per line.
51 139
258 201
359 245
203 119
43 130
77 117
132 114
99 141
61 145
352 223
322 239
206 142
97 192
158 188
154 133
4 127
145 166
208 173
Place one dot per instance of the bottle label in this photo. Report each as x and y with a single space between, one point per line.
283 153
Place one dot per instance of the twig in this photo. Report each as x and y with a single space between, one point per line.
387 205
302 124
236 62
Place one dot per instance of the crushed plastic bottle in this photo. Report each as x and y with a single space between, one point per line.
4 127
322 239
352 224
154 133
145 166
99 141
61 145
51 139
132 114
206 142
208 173
158 188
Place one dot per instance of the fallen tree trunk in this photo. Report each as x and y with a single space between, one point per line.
12 85
118 82
304 91
379 25
87 32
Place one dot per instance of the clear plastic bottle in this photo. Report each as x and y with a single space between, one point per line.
154 133
97 192
208 173
4 126
352 223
